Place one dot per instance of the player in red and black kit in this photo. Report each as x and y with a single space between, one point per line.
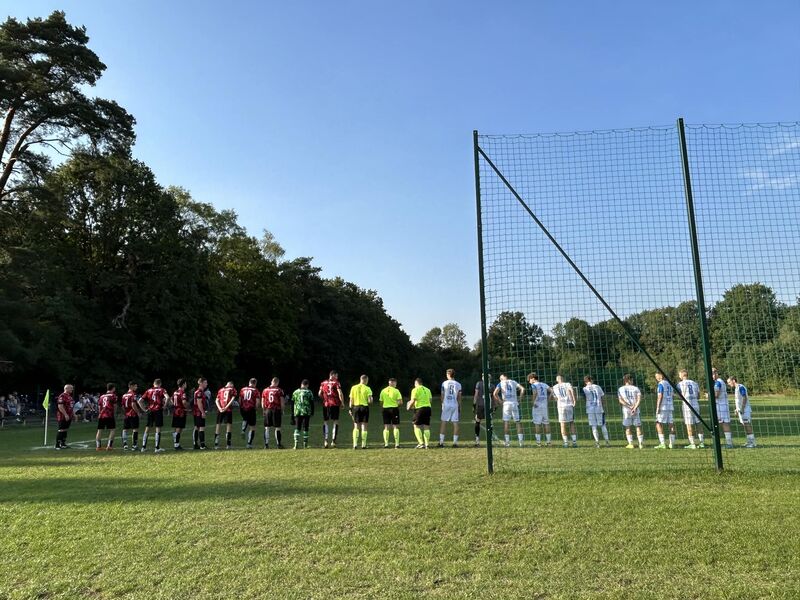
131 410
199 409
106 407
64 415
152 401
272 401
330 391
225 398
248 397
179 408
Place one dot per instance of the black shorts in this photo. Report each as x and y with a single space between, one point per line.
131 422
249 417
330 413
302 422
273 417
178 422
106 423
391 416
422 416
199 421
64 425
361 414
155 418
479 410
225 417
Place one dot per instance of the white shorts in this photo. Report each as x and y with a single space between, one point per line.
723 412
596 419
511 411
745 416
450 413
540 416
664 417
629 420
566 414
688 416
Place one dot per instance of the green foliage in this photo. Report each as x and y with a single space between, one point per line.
45 67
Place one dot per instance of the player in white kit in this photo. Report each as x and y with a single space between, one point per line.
509 392
630 397
691 393
743 410
595 409
564 394
451 407
723 408
665 407
540 394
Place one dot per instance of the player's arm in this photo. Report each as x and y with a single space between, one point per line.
717 389
341 396
572 396
520 391
143 403
603 400
496 395
638 402
218 405
659 397
412 401
62 410
621 401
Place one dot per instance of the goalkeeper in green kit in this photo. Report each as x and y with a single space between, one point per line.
302 409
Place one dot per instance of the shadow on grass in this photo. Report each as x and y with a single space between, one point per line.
83 490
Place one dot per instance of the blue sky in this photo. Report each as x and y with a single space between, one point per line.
345 127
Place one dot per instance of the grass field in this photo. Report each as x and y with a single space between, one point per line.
392 523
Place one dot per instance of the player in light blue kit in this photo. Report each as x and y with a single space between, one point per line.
664 409
743 410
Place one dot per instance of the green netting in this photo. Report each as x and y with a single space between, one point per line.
613 204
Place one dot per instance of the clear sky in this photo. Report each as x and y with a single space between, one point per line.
345 127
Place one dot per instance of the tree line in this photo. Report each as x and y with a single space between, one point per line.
753 337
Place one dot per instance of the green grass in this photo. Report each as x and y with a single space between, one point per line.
392 523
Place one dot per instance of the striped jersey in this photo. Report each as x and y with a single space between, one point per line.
666 391
508 390
594 394
562 393
542 392
741 396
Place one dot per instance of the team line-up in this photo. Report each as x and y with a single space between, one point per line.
507 393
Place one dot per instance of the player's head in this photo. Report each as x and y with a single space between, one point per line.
450 373
133 386
181 383
418 382
659 376
364 379
732 381
714 373
69 388
253 382
533 378
275 381
587 379
627 379
110 387
156 383
229 384
333 375
304 383
392 382
683 374
202 383
503 377
559 378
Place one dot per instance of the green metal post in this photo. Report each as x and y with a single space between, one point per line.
701 303
487 400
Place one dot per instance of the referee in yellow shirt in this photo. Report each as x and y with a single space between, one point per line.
360 399
391 399
421 401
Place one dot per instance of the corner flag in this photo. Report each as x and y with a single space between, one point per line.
46 403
